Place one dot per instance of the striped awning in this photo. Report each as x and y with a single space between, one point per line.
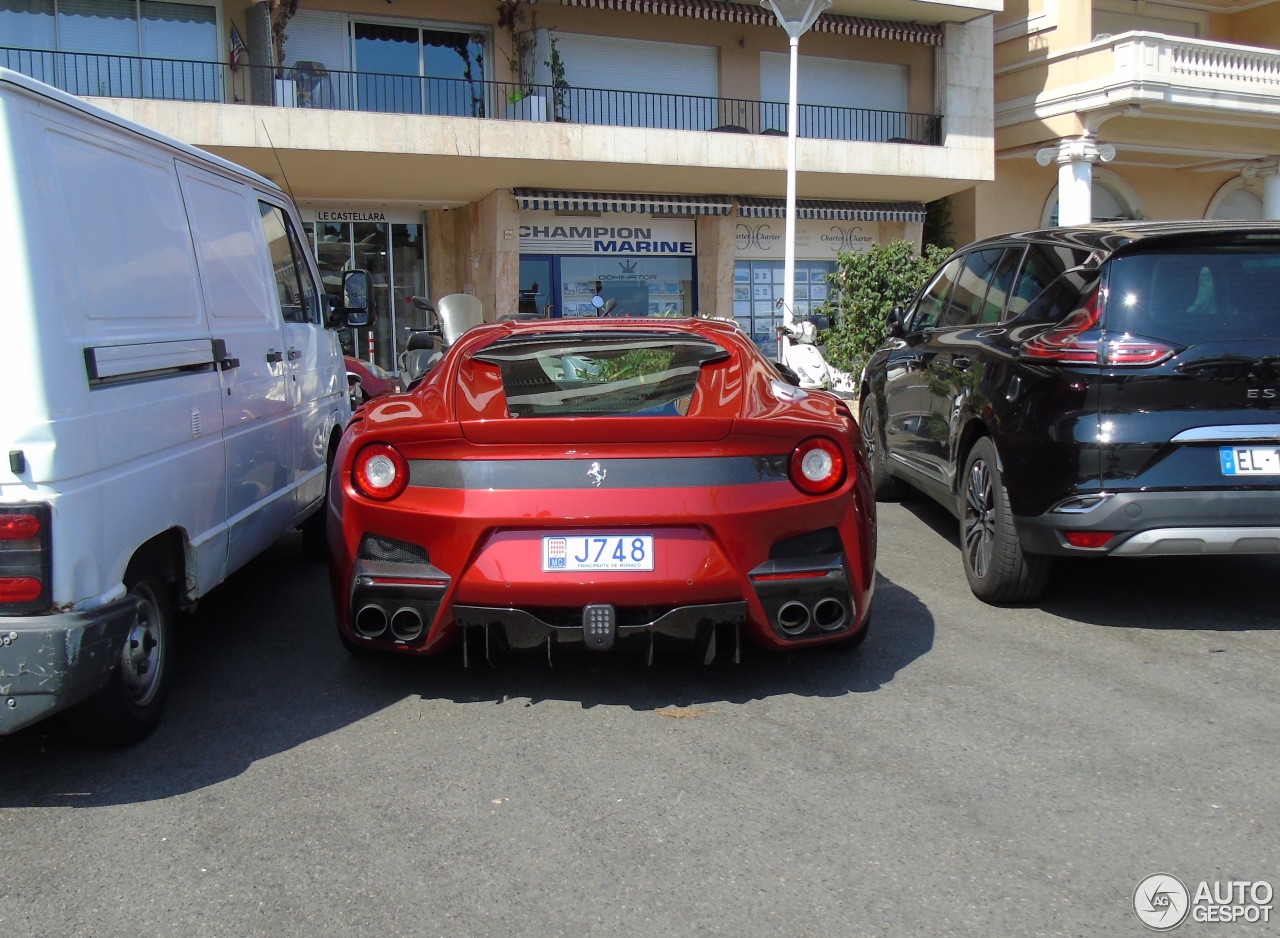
548 200
825 210
720 11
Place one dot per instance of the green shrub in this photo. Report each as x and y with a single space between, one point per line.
869 286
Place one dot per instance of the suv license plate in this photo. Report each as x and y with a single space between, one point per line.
1250 460
597 552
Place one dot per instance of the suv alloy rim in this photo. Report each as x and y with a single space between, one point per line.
979 518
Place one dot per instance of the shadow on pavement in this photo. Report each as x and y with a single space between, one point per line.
1207 592
261 671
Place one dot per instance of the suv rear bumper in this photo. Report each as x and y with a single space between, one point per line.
49 662
1163 523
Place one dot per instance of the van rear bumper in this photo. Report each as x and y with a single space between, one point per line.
1239 521
49 662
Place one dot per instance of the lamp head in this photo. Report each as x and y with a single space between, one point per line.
796 16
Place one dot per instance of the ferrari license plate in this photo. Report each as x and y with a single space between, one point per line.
1250 460
597 552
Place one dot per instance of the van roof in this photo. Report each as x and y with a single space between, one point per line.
31 86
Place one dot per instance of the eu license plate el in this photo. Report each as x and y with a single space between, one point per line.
1250 460
576 552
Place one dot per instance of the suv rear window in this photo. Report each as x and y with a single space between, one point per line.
1196 295
600 374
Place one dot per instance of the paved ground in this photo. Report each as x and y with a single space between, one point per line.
969 771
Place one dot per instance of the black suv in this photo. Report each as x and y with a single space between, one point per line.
1099 390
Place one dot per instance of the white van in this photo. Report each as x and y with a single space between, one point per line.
176 389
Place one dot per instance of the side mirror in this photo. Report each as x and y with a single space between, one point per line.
894 323
355 297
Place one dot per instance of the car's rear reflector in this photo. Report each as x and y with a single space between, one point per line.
1090 540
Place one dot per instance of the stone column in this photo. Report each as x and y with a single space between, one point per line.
1270 173
1075 159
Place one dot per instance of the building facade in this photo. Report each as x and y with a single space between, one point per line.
545 154
1132 109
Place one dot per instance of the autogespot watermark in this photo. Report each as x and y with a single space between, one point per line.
1163 902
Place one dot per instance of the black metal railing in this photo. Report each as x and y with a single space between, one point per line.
312 85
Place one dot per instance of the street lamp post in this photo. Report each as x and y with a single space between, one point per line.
796 17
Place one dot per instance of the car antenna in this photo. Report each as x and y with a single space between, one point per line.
274 152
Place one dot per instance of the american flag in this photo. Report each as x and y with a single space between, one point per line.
238 48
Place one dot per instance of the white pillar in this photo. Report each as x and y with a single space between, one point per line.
1075 158
1270 174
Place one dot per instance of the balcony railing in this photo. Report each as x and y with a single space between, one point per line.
1196 62
311 85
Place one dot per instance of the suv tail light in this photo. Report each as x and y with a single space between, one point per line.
25 562
1077 341
1072 341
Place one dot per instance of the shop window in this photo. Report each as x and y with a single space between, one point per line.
758 287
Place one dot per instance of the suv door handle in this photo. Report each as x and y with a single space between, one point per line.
294 354
273 356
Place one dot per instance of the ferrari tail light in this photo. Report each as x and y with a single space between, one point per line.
380 472
25 563
816 466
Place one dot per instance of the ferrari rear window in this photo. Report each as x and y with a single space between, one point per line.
609 374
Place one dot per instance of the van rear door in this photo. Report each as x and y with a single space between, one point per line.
245 319
1208 415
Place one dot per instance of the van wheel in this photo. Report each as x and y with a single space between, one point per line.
887 488
997 568
128 706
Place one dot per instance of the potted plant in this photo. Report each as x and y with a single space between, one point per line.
559 84
521 25
286 89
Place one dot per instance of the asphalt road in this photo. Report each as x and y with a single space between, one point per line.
969 771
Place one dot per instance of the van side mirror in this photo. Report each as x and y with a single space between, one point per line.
355 298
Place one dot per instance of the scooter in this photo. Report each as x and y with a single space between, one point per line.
798 345
454 315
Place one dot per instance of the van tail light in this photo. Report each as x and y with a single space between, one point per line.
379 472
1077 341
816 466
25 561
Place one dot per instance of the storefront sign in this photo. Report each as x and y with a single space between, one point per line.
548 233
815 240
332 214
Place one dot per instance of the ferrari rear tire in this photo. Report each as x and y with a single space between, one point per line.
887 488
998 569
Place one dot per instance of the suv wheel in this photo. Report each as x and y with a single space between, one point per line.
997 568
887 488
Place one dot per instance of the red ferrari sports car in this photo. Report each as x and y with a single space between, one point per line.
605 483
